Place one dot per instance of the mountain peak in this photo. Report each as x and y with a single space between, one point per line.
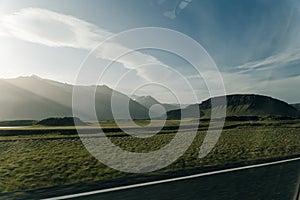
35 98
36 77
30 77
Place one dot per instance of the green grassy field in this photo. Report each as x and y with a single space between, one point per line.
50 157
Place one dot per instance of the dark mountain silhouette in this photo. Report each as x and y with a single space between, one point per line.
18 123
37 98
65 121
188 112
296 105
242 105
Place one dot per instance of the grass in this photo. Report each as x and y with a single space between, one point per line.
55 159
18 123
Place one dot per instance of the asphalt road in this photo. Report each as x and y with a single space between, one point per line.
276 181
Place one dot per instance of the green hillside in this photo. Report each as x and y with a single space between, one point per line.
188 112
296 105
244 105
64 121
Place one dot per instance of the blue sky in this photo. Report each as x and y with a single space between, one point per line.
255 43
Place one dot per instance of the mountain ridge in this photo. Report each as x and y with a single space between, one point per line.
296 105
241 105
34 98
148 101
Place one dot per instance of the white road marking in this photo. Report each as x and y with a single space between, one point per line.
170 180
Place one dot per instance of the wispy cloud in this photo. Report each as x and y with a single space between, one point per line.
53 29
279 60
180 5
283 88
130 59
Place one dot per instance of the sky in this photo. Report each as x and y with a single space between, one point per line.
254 43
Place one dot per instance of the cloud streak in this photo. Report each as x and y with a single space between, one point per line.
53 29
271 62
180 5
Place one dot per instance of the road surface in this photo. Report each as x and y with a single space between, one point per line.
276 180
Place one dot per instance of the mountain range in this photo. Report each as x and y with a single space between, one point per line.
34 98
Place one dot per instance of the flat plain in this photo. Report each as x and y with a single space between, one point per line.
42 157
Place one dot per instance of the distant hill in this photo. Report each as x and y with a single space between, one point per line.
148 101
34 98
188 112
244 105
155 112
65 121
297 106
18 123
